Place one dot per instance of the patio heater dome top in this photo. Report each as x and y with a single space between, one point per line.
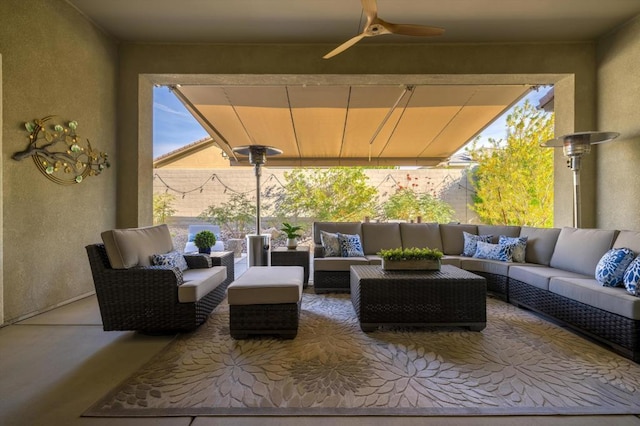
579 143
257 153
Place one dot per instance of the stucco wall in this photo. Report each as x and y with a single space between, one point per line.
618 186
54 62
570 65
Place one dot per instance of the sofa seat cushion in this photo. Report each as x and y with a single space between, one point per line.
199 282
452 260
421 235
374 259
579 250
591 292
131 247
380 236
266 285
496 267
337 263
539 275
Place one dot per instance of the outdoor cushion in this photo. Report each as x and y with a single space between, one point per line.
493 251
420 235
471 243
330 244
579 250
199 282
379 236
334 228
174 259
628 239
590 292
496 230
518 247
131 247
265 285
452 260
539 275
374 259
632 277
497 267
452 239
337 263
610 269
351 245
540 244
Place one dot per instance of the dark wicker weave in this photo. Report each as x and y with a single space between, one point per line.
299 256
331 282
274 319
451 297
620 333
224 258
146 298
497 285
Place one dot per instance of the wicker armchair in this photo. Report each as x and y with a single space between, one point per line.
145 298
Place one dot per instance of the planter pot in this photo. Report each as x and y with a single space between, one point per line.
206 250
411 265
292 243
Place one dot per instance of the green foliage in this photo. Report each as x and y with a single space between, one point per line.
290 230
412 253
204 239
514 181
407 204
234 216
163 207
335 194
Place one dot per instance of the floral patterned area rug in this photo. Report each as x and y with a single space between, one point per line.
519 365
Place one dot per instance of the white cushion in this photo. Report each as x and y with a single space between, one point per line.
131 247
579 250
199 282
265 285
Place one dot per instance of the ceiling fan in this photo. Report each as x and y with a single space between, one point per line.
376 26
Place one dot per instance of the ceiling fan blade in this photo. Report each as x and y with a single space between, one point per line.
413 30
344 46
370 8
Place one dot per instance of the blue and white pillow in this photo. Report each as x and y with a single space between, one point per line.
632 277
493 251
612 266
330 244
174 259
518 246
350 245
471 242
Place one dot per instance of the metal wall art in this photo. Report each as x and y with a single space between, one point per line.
59 154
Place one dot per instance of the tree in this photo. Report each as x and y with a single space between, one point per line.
409 202
162 207
514 180
335 194
234 216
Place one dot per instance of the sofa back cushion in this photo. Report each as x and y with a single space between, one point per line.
452 239
579 250
378 236
131 247
540 244
350 228
628 239
497 230
421 235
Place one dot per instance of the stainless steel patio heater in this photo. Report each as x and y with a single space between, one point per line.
258 245
574 146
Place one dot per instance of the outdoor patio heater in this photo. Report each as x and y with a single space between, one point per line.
574 146
258 245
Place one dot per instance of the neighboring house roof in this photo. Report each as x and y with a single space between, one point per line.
203 153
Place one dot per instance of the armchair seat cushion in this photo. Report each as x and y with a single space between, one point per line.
199 282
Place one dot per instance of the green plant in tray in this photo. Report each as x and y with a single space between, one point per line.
412 253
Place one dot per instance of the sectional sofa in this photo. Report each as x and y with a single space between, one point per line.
556 279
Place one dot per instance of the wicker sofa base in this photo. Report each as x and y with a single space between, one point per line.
497 285
621 334
273 319
331 282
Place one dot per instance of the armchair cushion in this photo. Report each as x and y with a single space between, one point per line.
173 258
127 248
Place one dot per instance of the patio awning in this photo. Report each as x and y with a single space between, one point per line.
349 125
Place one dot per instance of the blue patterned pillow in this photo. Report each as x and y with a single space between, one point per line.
471 242
174 259
350 245
518 246
330 244
493 251
632 277
611 267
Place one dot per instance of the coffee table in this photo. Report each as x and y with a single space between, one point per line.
449 297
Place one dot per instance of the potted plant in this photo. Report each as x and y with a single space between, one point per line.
204 240
411 259
292 232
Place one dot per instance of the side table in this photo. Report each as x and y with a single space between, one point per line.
225 258
299 256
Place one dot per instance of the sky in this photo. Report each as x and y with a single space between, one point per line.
174 127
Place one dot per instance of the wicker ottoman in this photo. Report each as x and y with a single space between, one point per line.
266 300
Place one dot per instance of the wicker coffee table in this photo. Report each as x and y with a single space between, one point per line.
449 297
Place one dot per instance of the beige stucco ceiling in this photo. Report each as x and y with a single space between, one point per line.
421 125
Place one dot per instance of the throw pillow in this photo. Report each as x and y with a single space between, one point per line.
191 238
350 245
519 246
632 277
493 251
330 244
471 242
612 266
173 259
